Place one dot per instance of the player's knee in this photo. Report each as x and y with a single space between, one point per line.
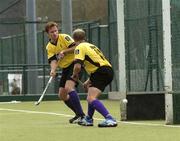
69 88
90 99
63 97
63 94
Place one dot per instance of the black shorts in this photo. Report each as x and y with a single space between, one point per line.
66 75
102 77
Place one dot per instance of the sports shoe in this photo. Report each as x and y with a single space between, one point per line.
74 120
86 121
108 123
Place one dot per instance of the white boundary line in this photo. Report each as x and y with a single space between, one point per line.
66 115
150 124
11 102
36 112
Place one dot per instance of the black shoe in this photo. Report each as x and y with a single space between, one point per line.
75 119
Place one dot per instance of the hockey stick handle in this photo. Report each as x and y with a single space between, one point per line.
47 85
80 82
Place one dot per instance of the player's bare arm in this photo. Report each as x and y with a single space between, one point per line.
67 51
76 71
54 66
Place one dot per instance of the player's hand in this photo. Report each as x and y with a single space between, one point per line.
53 73
61 55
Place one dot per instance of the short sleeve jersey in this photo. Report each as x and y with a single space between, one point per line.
91 56
64 41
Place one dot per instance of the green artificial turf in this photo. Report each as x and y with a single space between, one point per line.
49 122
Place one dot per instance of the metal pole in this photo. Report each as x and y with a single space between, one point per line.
121 56
31 42
66 10
167 60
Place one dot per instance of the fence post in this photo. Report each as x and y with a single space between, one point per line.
121 55
167 60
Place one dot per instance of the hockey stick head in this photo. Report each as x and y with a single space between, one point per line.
36 103
47 85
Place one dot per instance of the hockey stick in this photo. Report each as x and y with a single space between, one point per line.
47 85
80 82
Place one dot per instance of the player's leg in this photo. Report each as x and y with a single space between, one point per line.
93 95
100 79
94 104
65 97
63 94
73 96
68 100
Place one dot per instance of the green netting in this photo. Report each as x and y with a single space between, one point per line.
12 49
112 37
175 30
143 36
42 40
23 69
143 42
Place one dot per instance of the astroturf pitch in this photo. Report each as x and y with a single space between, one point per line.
49 122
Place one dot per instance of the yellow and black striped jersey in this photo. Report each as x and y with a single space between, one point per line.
92 57
64 41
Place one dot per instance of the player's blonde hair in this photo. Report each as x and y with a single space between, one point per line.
79 34
49 25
